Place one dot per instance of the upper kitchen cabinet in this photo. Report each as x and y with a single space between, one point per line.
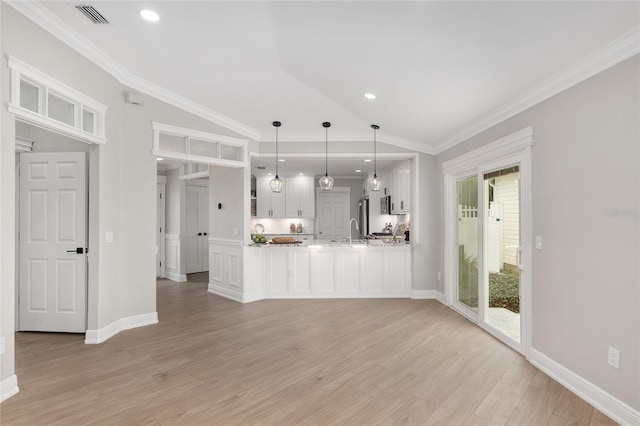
300 197
269 203
401 188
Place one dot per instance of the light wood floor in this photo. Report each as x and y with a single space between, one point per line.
313 362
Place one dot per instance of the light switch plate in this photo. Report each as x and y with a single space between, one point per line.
538 242
109 237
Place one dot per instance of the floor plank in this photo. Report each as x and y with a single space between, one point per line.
282 362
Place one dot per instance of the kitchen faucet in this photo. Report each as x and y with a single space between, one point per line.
353 219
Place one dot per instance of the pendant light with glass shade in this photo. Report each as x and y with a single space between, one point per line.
375 182
326 181
277 184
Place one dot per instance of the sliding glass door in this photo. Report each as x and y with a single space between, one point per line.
488 246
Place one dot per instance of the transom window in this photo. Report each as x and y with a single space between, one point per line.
43 101
194 146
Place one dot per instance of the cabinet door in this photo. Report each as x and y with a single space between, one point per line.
278 201
292 197
405 187
263 198
307 198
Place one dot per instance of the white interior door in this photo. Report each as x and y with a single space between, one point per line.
333 214
196 229
53 241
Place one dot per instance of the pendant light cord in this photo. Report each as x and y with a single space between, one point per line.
276 151
326 151
375 157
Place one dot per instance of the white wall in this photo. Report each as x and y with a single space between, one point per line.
228 187
586 164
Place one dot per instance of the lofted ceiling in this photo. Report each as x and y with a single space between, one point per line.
440 70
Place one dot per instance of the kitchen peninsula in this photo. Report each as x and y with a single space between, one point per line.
315 269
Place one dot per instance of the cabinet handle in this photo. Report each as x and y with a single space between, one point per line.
401 205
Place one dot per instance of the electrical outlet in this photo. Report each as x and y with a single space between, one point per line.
439 276
538 242
613 358
108 237
236 232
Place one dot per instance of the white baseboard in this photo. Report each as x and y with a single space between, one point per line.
179 278
9 387
427 294
94 337
225 292
611 406
337 296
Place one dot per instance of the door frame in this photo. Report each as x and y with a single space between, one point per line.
513 148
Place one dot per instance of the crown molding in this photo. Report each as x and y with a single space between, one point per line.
612 54
50 22
337 137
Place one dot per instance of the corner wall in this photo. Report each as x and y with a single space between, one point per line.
586 203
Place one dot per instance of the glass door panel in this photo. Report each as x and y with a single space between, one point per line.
467 202
501 272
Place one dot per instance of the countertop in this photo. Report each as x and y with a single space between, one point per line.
315 244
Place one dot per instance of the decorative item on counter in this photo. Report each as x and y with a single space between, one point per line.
299 228
388 229
259 228
292 228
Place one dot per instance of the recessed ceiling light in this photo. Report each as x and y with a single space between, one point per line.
370 96
149 15
282 160
159 158
358 171
368 160
301 174
269 174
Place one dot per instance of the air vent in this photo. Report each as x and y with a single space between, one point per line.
261 168
93 14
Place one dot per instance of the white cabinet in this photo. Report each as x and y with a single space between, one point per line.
269 203
401 188
300 197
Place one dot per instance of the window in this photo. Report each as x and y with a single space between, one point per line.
45 102
193 147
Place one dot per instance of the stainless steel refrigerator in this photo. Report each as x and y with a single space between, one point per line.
363 217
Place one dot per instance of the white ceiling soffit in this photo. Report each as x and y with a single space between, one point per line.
443 71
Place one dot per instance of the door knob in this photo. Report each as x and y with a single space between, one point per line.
199 233
204 233
78 250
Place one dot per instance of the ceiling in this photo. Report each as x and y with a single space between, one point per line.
438 68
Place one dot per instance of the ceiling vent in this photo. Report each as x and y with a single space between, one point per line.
261 168
92 13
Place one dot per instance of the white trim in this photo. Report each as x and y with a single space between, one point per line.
169 129
424 294
615 52
30 117
21 71
46 19
9 387
227 242
616 409
192 176
225 292
23 144
93 337
506 145
179 278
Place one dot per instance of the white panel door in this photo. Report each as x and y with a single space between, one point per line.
193 252
333 214
53 242
196 229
